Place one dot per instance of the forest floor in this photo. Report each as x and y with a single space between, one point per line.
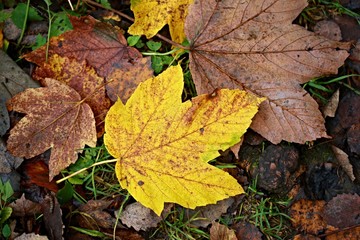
292 190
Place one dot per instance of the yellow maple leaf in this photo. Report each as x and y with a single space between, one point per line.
163 145
152 15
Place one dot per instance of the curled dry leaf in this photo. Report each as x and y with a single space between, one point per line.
31 236
55 118
332 105
221 232
23 207
207 214
158 139
253 45
139 217
344 161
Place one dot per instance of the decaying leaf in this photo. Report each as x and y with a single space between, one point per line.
152 15
253 45
307 215
8 162
4 116
221 232
160 140
55 118
332 105
207 214
81 78
52 214
102 46
344 161
139 217
93 215
343 211
23 207
31 236
247 231
122 82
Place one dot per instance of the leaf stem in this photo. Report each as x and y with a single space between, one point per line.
24 23
165 39
84 169
160 54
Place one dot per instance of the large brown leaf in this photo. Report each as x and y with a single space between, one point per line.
55 118
253 45
101 45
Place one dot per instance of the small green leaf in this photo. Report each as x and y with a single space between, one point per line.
60 24
4 15
133 40
65 194
6 231
153 46
18 15
5 213
105 4
40 41
139 44
8 191
167 60
157 64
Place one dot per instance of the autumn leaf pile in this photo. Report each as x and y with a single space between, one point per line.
243 55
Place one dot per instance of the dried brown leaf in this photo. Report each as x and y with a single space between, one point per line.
55 118
23 207
331 107
253 45
139 217
103 46
307 216
344 161
221 232
343 211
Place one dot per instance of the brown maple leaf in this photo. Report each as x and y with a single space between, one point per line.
100 44
55 118
93 45
253 45
80 77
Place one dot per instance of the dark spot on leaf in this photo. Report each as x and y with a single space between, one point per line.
140 183
27 145
201 130
60 44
